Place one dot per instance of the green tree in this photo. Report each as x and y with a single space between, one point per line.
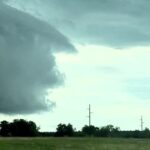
69 130
4 128
64 130
145 133
109 130
90 130
21 127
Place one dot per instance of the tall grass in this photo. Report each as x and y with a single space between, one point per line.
73 144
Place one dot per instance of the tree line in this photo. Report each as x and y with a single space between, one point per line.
23 128
19 127
105 131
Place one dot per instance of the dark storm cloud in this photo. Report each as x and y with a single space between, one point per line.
27 65
117 23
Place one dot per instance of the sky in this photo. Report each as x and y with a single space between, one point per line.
59 56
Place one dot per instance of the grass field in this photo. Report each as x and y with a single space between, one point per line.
73 144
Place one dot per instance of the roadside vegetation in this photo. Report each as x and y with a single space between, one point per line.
74 144
23 128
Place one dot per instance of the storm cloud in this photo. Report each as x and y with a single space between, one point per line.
30 34
116 23
27 64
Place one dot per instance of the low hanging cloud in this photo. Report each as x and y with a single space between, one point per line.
116 23
27 65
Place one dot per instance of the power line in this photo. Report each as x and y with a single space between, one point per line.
89 116
142 123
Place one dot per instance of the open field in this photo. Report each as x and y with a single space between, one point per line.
73 144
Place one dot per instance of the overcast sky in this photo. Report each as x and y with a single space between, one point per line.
59 56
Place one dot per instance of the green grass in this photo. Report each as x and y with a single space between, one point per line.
73 144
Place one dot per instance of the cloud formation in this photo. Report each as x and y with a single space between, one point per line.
27 44
27 65
114 23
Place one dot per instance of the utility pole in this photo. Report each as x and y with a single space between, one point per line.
141 120
89 116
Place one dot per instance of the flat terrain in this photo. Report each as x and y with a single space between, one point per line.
73 144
